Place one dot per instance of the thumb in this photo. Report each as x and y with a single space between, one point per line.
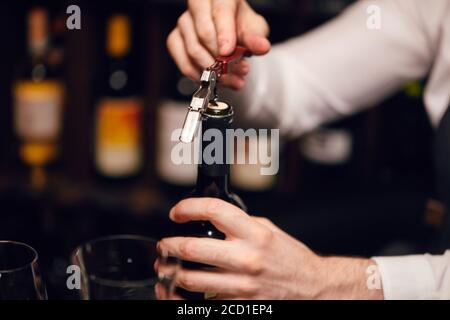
257 44
252 30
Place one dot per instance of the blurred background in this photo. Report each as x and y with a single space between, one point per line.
105 99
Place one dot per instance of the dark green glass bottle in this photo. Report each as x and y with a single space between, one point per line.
213 181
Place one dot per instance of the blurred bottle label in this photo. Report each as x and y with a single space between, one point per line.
38 110
247 176
170 115
118 136
328 146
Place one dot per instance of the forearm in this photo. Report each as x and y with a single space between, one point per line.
349 278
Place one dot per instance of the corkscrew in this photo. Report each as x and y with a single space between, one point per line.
207 92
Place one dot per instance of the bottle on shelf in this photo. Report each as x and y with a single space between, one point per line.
247 176
38 95
118 116
57 54
170 114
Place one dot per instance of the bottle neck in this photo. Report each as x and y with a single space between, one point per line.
38 33
118 36
37 52
119 82
213 175
214 169
211 184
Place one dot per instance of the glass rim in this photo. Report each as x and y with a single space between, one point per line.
118 237
26 246
119 283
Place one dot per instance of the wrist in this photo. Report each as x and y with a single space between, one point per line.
348 278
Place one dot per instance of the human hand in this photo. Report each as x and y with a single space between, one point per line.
209 28
257 260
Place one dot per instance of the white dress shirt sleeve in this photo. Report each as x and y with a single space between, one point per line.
339 68
415 276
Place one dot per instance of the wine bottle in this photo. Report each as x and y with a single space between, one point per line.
38 102
57 54
213 180
118 113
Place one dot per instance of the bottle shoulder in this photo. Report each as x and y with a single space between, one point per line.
118 78
237 201
36 70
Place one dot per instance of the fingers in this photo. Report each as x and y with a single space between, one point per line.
233 297
213 27
235 78
192 45
251 22
218 253
222 283
241 68
224 17
227 218
252 30
161 293
189 63
204 25
266 222
232 81
220 24
177 50
257 44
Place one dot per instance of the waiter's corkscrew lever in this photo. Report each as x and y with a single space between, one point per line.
207 92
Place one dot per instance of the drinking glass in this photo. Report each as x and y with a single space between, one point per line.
20 278
122 267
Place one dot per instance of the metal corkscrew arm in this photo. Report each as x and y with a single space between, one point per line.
207 92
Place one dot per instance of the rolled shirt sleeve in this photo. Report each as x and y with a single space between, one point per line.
415 277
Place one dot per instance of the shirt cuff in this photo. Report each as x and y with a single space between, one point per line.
406 277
